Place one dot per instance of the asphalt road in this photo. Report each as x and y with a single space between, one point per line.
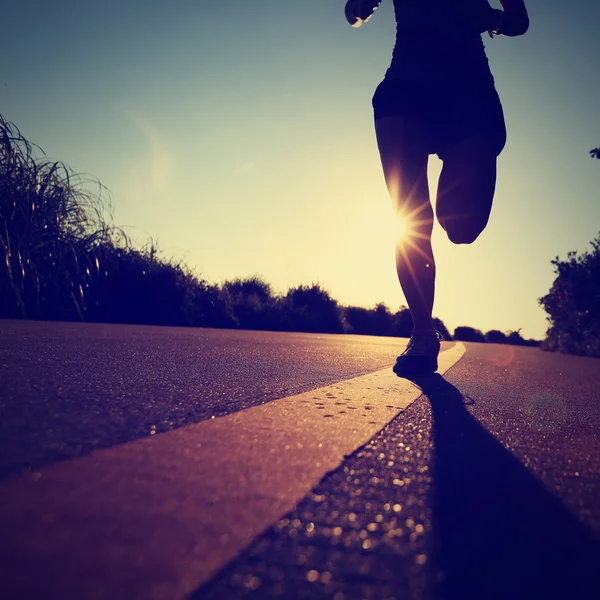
501 498
486 486
69 388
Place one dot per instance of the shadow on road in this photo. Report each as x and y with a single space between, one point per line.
498 533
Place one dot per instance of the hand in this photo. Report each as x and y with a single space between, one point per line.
515 20
496 21
360 11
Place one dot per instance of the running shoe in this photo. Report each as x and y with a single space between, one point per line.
420 356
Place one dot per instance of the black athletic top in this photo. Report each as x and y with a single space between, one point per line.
440 39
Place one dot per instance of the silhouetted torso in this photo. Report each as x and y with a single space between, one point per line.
440 16
440 39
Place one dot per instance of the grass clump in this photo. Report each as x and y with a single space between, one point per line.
50 227
61 257
573 304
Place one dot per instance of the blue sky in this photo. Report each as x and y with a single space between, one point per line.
240 136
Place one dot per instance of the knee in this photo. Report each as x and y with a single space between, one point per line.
414 249
462 237
464 234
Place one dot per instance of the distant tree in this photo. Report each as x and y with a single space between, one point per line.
468 334
374 321
139 287
595 152
495 337
512 337
573 304
253 304
515 338
358 320
402 323
213 307
441 328
251 286
380 321
310 308
383 320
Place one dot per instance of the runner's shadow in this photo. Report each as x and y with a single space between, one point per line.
497 532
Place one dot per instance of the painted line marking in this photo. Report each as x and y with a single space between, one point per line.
155 518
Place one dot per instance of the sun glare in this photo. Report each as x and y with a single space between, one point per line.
401 227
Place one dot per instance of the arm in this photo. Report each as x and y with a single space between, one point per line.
513 20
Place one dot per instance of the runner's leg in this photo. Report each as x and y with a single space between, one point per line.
404 160
466 188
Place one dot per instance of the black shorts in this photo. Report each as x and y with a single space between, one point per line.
448 111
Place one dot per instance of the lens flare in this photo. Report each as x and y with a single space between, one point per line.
501 356
409 238
401 227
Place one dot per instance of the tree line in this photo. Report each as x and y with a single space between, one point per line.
62 258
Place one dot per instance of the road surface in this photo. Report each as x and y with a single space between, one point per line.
143 462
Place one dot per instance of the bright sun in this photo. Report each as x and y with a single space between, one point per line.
401 227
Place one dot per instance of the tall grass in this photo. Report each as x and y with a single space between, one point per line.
50 226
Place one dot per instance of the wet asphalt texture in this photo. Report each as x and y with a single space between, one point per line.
487 487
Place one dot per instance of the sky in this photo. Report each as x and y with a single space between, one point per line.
239 136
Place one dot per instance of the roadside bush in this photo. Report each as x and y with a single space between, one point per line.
380 321
212 307
139 287
573 304
252 303
383 320
61 259
495 337
468 334
374 321
439 325
403 323
358 320
311 309
515 338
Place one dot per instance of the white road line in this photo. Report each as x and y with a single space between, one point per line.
155 518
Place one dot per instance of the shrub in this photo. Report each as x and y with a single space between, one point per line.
468 334
139 287
312 309
383 320
403 323
252 303
212 307
358 320
439 325
495 337
61 259
573 304
374 321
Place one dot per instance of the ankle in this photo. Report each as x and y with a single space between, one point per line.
424 331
